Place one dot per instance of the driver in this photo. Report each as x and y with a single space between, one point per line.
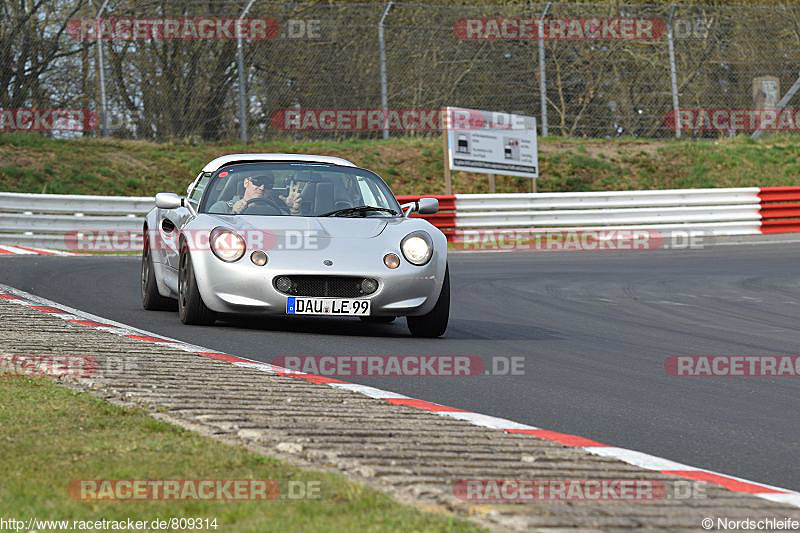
260 187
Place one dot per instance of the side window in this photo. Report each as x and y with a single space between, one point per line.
366 193
374 192
199 189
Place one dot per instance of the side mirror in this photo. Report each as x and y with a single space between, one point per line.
427 206
168 200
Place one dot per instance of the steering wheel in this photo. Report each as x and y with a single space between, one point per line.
262 206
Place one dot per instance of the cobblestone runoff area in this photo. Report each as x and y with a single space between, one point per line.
415 455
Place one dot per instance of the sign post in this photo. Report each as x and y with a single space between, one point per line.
448 184
490 143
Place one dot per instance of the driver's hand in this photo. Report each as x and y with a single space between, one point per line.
239 206
292 198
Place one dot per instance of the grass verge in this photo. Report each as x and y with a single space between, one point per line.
411 165
52 435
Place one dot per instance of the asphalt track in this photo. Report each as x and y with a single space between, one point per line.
594 329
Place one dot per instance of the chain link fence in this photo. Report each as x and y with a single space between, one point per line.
328 56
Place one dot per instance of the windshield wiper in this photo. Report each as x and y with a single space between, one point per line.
361 209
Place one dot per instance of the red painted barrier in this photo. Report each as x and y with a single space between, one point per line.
445 219
779 194
447 202
777 214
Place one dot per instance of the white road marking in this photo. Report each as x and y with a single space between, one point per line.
486 421
642 460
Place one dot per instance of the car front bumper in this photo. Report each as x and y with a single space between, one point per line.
242 287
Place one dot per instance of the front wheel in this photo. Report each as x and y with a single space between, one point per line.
434 323
191 308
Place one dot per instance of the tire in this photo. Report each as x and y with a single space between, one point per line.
434 323
191 308
377 319
148 287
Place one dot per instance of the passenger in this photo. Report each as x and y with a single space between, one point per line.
258 191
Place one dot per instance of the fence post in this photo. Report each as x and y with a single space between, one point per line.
384 90
101 66
240 68
542 74
673 73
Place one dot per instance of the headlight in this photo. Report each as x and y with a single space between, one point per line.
417 248
227 245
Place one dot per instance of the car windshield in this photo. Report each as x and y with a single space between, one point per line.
298 189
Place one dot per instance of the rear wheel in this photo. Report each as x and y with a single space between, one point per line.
151 298
377 319
191 308
434 323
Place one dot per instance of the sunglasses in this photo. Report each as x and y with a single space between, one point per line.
259 181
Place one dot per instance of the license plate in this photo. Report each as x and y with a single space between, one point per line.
326 306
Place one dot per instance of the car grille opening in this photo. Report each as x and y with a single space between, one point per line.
324 286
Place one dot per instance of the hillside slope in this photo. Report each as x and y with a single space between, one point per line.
31 163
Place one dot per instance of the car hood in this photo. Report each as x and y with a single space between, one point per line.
324 227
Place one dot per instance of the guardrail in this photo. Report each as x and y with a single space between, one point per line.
44 219
735 211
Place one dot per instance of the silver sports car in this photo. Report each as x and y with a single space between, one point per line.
286 234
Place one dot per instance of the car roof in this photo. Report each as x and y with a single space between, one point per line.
219 162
